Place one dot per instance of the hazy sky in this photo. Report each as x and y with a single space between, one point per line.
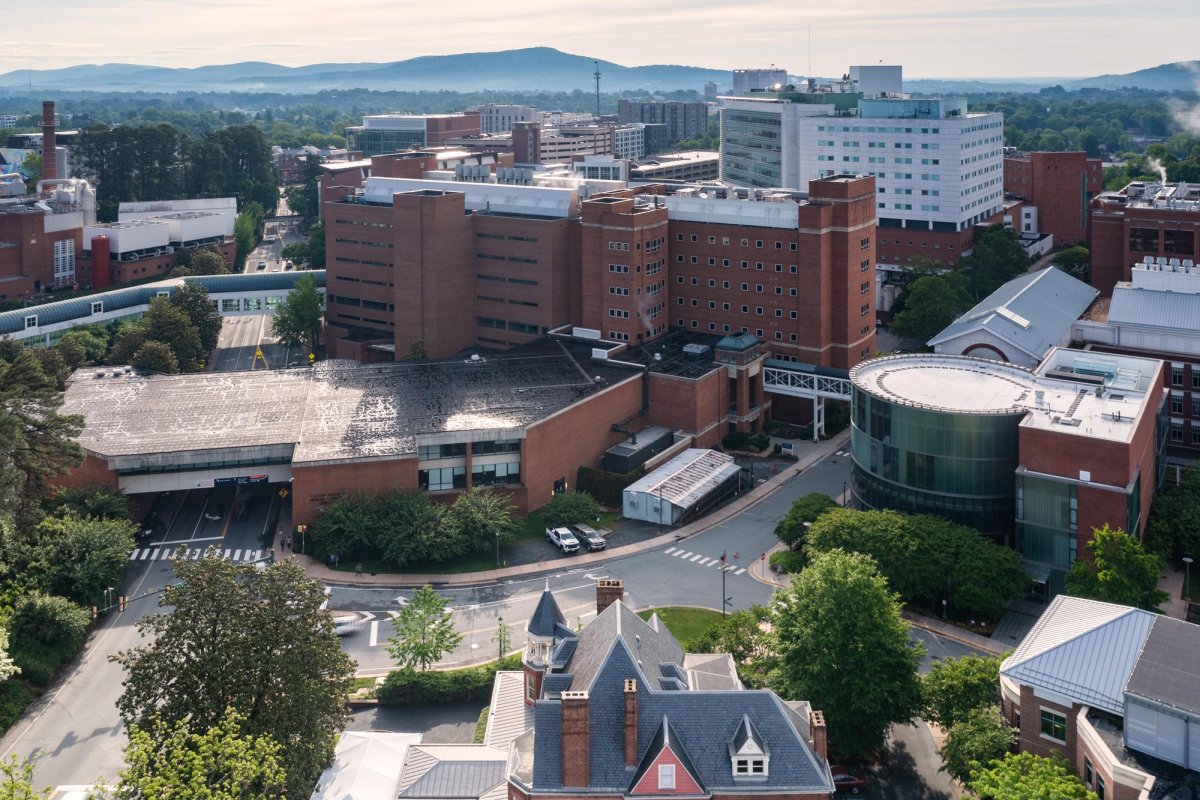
931 38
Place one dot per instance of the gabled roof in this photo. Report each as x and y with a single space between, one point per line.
746 740
457 780
1033 311
618 627
1168 668
365 764
546 617
665 739
1152 308
1083 649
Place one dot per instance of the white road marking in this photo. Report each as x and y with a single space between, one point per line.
670 550
237 555
704 562
145 554
696 557
374 634
685 555
740 571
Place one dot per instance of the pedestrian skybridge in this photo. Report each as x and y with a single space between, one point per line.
810 382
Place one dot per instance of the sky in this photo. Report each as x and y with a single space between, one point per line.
931 38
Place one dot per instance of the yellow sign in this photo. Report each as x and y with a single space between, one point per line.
283 492
258 353
311 357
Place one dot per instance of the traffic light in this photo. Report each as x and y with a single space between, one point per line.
121 602
94 614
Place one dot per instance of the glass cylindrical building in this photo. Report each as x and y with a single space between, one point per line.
937 434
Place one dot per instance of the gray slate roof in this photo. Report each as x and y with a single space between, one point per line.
1033 311
546 617
703 722
1168 669
457 780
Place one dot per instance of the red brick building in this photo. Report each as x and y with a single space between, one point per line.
1144 220
1111 689
1061 186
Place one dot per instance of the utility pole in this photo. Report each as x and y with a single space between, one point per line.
596 75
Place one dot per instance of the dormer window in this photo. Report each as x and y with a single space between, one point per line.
749 767
666 776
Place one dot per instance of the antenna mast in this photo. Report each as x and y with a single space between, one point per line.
596 75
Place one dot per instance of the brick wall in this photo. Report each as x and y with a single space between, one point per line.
92 472
1030 738
558 446
315 487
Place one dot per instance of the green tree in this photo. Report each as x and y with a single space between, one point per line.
1118 570
1074 261
1025 776
72 352
93 339
932 303
207 262
247 227
424 631
78 557
129 338
297 320
480 517
31 167
996 259
47 631
979 738
567 508
193 300
304 199
842 645
16 781
352 526
256 641
104 502
8 667
1173 529
155 356
164 322
36 442
221 762
956 686
415 530
792 530
743 635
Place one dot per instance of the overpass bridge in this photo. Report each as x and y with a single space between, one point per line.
234 295
807 381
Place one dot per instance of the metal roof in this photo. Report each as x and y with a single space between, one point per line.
1033 311
457 780
80 308
508 714
546 617
1083 649
688 477
1132 305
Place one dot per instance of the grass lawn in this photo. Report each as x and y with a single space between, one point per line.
685 624
534 528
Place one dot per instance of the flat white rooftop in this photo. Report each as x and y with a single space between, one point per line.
1076 392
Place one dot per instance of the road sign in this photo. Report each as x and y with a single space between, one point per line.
258 353
312 357
283 492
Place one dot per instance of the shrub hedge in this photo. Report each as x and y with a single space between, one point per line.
787 561
406 687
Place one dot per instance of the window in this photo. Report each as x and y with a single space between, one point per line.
1176 430
1177 375
1196 376
1087 771
1054 725
434 480
1176 402
666 776
31 321
1100 787
98 307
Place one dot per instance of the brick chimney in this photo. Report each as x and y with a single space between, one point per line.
631 743
49 142
574 736
608 591
820 736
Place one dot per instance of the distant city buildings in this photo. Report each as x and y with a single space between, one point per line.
1058 188
8 121
758 80
388 133
499 118
689 167
684 120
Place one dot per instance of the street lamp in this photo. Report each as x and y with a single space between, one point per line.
500 636
497 549
1187 574
843 494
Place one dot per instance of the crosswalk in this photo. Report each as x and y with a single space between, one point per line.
194 553
842 453
701 560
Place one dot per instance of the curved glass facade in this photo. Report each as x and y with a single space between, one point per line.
956 464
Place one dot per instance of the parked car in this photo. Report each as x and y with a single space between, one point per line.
589 537
270 238
563 539
848 779
262 264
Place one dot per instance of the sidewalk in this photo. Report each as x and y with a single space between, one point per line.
1172 584
955 634
325 574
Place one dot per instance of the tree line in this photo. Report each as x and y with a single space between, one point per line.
162 162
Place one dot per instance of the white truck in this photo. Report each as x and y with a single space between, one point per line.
563 539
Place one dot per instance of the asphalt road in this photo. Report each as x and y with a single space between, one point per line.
73 731
243 338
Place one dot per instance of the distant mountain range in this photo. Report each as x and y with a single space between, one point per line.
530 69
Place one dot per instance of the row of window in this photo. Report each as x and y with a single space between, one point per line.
758 310
725 240
726 328
1177 375
502 237
725 262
